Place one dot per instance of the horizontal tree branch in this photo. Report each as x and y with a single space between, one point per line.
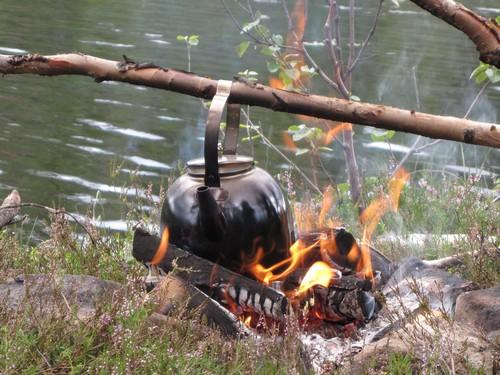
484 33
379 116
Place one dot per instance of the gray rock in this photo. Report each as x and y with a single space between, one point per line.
413 280
480 309
56 294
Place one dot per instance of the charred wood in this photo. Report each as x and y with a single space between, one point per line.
173 293
348 299
211 278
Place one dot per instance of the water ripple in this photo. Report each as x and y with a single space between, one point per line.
168 118
90 149
87 139
109 44
114 102
140 161
139 173
106 126
129 191
393 147
160 41
13 50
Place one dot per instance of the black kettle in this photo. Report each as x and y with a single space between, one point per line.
225 209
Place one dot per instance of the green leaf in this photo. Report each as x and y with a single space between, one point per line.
253 138
299 132
378 136
355 98
249 26
272 66
307 71
324 148
481 77
493 74
266 51
278 39
294 128
481 68
343 187
301 151
263 31
193 40
182 38
242 48
497 20
290 73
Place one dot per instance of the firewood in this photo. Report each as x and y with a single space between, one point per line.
175 293
349 299
212 279
10 208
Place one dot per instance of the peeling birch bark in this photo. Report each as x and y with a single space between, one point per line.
376 115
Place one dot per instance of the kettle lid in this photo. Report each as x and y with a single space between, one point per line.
228 165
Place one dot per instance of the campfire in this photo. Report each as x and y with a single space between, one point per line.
328 279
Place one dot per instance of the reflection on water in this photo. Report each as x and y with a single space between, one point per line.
391 147
97 186
59 136
107 127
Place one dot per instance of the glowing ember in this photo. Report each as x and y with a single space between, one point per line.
248 321
162 248
319 273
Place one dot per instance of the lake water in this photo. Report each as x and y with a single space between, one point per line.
68 141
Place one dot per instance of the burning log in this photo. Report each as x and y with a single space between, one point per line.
173 292
215 280
348 299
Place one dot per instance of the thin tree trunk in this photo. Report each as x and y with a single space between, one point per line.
379 116
484 33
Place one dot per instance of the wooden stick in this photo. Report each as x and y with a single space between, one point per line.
379 116
212 278
485 34
10 208
175 293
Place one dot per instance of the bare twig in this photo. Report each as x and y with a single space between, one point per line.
54 211
270 144
351 66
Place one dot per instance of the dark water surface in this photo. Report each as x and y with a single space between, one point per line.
62 139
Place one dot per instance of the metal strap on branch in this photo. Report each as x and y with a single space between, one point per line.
232 129
212 178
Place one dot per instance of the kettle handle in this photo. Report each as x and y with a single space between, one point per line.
212 178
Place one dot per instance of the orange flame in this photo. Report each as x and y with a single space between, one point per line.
373 213
162 248
319 273
334 132
248 321
276 83
288 142
396 184
326 205
266 275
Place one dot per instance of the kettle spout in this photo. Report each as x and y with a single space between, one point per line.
211 218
